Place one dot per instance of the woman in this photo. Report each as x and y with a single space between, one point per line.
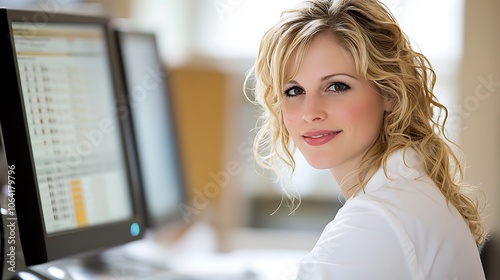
339 81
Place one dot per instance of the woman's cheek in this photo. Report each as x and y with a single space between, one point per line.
289 117
350 112
362 110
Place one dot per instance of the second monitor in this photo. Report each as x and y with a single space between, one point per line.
154 129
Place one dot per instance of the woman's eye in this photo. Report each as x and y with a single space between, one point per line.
338 87
294 91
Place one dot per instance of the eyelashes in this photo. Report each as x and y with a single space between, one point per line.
294 91
339 87
336 87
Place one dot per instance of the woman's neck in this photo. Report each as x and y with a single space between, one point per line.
347 179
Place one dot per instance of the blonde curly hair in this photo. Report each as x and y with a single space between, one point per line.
384 56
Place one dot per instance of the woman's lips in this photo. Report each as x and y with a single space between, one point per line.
320 137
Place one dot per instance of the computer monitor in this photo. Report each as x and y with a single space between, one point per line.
66 135
153 121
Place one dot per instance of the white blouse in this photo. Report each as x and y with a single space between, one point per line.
399 228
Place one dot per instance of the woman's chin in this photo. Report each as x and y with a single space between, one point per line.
321 165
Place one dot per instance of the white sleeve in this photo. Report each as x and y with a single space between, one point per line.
364 241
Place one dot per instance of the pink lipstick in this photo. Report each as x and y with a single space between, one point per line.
319 137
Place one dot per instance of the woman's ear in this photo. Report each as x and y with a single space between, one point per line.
388 103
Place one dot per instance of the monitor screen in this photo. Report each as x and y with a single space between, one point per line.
67 95
153 126
64 133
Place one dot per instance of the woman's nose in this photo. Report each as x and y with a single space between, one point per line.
313 110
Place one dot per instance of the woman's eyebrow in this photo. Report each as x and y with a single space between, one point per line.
336 74
324 78
292 82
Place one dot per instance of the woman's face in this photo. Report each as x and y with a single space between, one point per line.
332 114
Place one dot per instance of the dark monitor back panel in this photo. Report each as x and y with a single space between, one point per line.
76 186
154 128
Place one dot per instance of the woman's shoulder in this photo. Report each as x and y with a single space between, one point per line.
415 204
363 233
403 191
365 219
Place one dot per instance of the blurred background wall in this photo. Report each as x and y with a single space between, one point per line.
479 93
207 48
